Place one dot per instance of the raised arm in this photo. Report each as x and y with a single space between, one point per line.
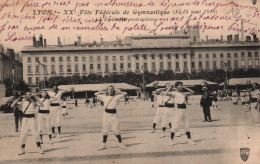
189 90
15 102
38 100
158 91
100 92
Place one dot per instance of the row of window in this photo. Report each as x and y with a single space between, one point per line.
242 54
145 57
145 66
228 64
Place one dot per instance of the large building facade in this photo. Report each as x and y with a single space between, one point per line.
10 67
180 52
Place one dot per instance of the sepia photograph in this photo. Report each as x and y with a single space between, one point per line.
129 81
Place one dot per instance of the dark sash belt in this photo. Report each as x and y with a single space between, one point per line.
169 105
161 105
253 100
63 106
29 115
110 110
44 111
182 106
55 104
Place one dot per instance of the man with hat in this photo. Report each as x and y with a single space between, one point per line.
205 102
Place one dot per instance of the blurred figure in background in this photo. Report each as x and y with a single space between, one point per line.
243 97
247 101
215 101
64 107
127 101
18 114
234 97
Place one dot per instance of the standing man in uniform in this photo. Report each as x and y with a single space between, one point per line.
110 97
159 111
180 113
255 104
205 102
167 109
29 122
44 118
55 110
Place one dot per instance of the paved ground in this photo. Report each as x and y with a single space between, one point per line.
217 142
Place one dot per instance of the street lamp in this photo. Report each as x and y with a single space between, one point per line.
226 79
143 85
13 76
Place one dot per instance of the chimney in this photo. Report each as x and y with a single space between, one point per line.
207 38
236 38
255 38
41 41
101 40
194 39
248 38
59 43
242 31
221 38
34 41
229 38
79 40
45 43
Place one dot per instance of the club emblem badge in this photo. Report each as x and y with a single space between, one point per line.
244 153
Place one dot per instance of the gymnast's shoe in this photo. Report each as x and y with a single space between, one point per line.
162 135
102 147
40 151
122 146
22 151
53 135
191 142
172 143
177 135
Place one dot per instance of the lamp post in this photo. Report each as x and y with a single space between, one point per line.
40 75
13 77
143 85
226 78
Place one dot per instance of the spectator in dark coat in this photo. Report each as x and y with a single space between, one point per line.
206 102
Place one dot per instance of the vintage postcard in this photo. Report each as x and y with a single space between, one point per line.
129 81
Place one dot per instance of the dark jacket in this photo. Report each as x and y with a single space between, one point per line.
206 100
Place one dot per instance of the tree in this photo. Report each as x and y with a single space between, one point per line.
8 85
22 86
136 79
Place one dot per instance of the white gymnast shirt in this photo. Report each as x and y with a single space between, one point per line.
110 102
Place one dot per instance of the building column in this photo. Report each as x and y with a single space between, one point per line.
181 62
173 61
149 62
189 62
